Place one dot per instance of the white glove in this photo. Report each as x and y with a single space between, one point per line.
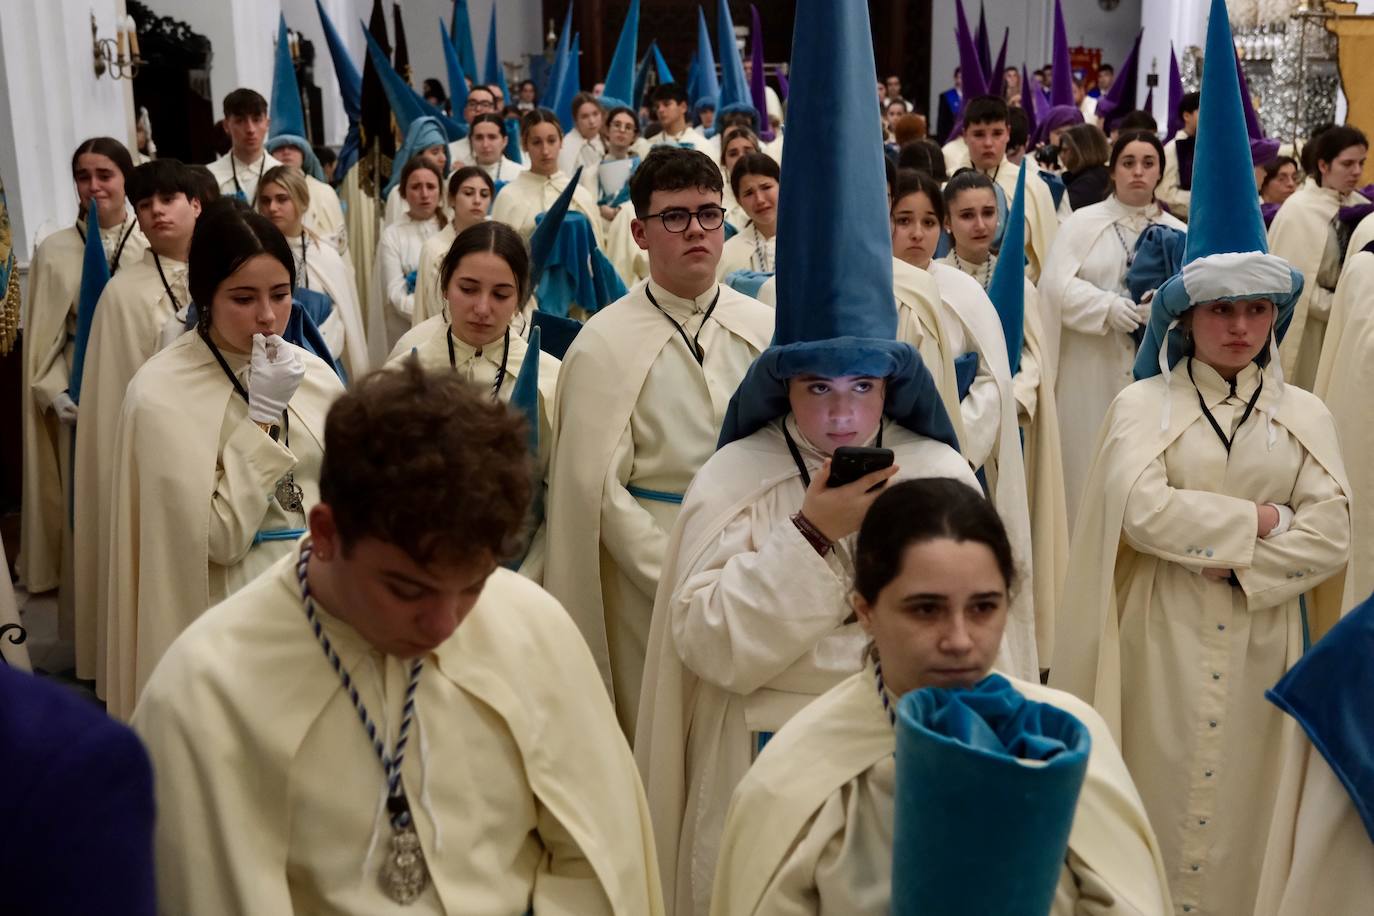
1124 316
275 374
65 408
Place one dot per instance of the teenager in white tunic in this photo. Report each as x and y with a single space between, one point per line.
622 140
641 396
487 775
750 620
238 171
101 167
1308 233
671 106
481 334
754 181
534 191
480 100
284 198
1084 293
811 829
398 251
131 323
218 449
488 138
1214 533
972 221
470 191
585 146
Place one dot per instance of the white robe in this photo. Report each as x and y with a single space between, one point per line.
690 137
637 416
235 176
1085 275
325 216
750 625
129 327
322 269
48 317
398 253
522 790
1177 663
587 153
430 343
810 828
504 169
429 298
529 195
748 251
194 486
1169 193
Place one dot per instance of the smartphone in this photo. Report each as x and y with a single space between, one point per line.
849 463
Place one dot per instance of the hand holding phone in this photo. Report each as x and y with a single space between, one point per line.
837 511
849 463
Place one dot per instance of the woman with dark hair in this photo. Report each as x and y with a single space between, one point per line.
736 143
923 155
470 192
754 183
1277 179
485 282
811 828
100 168
283 196
534 191
218 451
1307 233
527 96
1083 152
586 145
398 251
1092 325
487 139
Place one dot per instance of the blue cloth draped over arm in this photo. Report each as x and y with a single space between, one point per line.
577 272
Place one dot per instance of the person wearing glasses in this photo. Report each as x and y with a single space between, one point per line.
641 396
481 100
624 152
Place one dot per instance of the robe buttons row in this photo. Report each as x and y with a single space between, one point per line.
1201 551
1296 575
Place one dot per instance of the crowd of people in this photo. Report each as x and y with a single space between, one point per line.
591 512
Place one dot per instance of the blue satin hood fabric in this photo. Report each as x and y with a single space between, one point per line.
575 271
1330 692
965 798
95 273
423 133
310 164
749 282
1158 256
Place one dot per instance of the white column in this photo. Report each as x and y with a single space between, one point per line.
51 100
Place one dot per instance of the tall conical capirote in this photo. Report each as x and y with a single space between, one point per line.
734 88
620 79
1061 76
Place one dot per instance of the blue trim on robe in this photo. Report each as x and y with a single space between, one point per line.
277 534
658 496
1329 693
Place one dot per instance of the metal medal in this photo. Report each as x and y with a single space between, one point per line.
404 875
289 494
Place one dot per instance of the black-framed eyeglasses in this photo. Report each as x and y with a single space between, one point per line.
708 218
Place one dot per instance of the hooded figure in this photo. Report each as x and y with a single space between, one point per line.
620 78
1212 543
287 133
750 621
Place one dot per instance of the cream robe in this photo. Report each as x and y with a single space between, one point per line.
363 225
128 329
397 208
635 410
1320 858
523 792
1178 663
1345 378
529 195
921 323
235 175
504 169
689 137
429 341
429 298
750 625
1304 234
325 215
748 250
1038 417
1085 275
1169 192
49 321
193 485
1042 220
398 253
624 253
586 153
324 270
810 828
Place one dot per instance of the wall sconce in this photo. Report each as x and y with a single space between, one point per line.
109 53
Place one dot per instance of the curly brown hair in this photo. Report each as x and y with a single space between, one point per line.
426 461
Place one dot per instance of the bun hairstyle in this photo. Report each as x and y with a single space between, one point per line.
227 235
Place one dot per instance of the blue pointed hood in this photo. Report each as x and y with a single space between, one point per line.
406 104
566 266
707 85
758 85
1007 289
457 79
558 72
620 79
345 70
836 314
460 32
95 273
1061 76
1226 254
495 73
572 82
524 394
664 74
423 133
542 238
1120 100
734 89
288 117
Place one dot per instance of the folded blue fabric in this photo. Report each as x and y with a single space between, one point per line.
977 829
576 272
1158 256
748 282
